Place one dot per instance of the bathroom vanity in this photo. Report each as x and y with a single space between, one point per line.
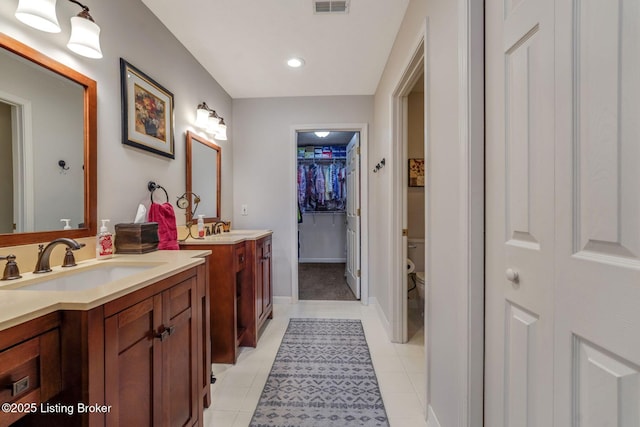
240 281
128 348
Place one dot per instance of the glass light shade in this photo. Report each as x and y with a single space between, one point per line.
85 38
202 118
212 125
39 14
322 134
221 134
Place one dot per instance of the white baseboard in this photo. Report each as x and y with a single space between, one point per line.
282 300
321 260
383 319
432 420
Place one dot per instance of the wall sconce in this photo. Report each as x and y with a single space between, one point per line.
85 33
208 119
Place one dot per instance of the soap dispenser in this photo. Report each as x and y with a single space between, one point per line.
104 242
66 225
201 226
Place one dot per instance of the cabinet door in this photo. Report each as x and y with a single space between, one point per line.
180 367
263 280
133 378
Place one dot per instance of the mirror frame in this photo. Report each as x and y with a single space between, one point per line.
90 148
193 138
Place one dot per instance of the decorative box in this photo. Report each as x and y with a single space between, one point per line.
136 238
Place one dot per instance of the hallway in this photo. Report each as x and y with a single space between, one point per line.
400 368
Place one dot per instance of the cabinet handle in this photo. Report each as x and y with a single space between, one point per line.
19 386
171 329
163 335
241 258
266 257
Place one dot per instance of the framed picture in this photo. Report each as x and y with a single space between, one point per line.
147 112
416 172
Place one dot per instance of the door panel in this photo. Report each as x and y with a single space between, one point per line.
353 217
519 213
597 350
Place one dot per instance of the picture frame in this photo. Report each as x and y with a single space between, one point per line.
416 172
147 112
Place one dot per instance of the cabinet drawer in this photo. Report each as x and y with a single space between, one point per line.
19 373
240 260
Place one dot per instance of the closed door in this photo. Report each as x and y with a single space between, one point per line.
597 345
353 216
519 213
563 214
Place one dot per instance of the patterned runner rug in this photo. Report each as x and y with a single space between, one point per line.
322 376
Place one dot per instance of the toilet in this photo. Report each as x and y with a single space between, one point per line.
415 266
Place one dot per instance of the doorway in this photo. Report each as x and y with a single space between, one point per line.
328 201
345 245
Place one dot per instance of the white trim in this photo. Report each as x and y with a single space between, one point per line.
432 419
471 221
415 66
364 201
322 260
22 148
282 300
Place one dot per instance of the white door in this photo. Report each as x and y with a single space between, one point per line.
353 215
563 213
597 345
519 213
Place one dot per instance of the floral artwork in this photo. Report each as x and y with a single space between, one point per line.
147 112
416 172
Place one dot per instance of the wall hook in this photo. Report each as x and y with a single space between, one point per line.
63 165
379 166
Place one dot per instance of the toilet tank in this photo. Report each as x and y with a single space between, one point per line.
416 253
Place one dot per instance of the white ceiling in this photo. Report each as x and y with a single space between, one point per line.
244 44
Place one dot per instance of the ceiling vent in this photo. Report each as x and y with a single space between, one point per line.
330 6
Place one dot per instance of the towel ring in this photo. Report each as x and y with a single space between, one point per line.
152 186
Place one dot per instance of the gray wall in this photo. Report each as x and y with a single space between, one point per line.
264 173
131 31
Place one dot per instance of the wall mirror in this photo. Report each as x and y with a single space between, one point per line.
48 137
203 176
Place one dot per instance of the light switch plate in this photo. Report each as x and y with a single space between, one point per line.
244 210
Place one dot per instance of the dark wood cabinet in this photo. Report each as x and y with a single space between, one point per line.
241 294
264 293
143 358
151 359
30 367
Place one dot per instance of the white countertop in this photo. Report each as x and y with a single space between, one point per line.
229 238
18 306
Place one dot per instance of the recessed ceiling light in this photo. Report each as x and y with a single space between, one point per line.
295 62
322 134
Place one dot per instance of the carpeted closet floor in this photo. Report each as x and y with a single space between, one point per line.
323 281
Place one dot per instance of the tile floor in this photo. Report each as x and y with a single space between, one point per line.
400 368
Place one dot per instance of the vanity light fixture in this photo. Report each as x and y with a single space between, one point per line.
85 33
211 122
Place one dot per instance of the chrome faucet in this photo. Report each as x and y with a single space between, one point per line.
44 252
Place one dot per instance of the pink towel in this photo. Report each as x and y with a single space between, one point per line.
167 230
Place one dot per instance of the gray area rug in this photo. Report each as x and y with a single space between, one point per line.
323 281
322 376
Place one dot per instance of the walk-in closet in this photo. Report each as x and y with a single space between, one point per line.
323 190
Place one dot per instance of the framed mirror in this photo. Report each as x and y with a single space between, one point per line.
48 137
203 176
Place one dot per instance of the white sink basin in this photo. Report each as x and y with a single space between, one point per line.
89 278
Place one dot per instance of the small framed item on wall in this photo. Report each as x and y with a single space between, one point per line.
147 112
416 172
